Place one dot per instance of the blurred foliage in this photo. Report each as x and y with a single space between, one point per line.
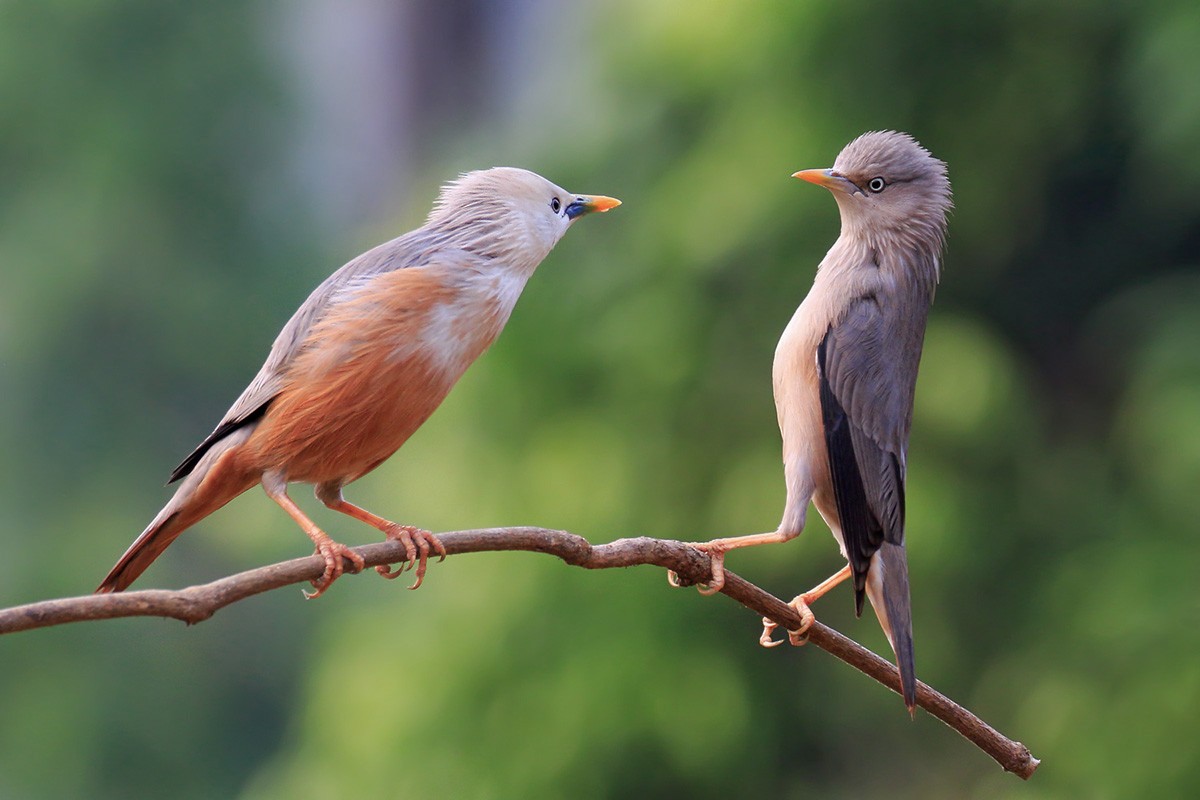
153 239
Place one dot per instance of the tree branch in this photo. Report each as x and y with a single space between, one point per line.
197 603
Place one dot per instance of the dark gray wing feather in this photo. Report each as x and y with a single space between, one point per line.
867 368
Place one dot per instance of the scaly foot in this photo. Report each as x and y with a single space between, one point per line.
716 550
801 603
333 553
797 637
416 543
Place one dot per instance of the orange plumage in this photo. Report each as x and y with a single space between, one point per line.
366 359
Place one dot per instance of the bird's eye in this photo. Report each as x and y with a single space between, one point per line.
877 185
555 205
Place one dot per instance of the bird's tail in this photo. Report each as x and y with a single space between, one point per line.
214 482
147 547
887 587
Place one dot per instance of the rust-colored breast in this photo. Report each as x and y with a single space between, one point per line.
372 371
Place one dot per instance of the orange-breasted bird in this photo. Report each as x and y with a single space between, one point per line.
845 373
366 359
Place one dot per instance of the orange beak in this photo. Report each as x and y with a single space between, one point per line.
827 178
587 203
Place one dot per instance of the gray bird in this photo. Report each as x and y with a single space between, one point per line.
366 359
845 372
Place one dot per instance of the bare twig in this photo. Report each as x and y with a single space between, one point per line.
198 603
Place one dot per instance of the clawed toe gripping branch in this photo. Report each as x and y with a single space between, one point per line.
692 567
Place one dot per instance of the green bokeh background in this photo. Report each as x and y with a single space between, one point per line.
157 227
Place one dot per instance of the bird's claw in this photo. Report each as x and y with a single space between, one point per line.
334 553
712 587
417 544
716 557
797 637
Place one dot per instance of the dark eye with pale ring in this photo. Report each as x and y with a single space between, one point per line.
555 205
877 185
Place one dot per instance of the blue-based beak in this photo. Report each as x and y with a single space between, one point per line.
586 204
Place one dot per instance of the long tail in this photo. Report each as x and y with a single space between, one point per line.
147 547
214 482
887 588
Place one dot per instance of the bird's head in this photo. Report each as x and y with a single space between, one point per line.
513 215
888 185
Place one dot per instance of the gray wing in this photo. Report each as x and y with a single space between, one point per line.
867 369
406 251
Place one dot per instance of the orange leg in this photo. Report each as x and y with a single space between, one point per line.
333 552
801 603
416 541
717 549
